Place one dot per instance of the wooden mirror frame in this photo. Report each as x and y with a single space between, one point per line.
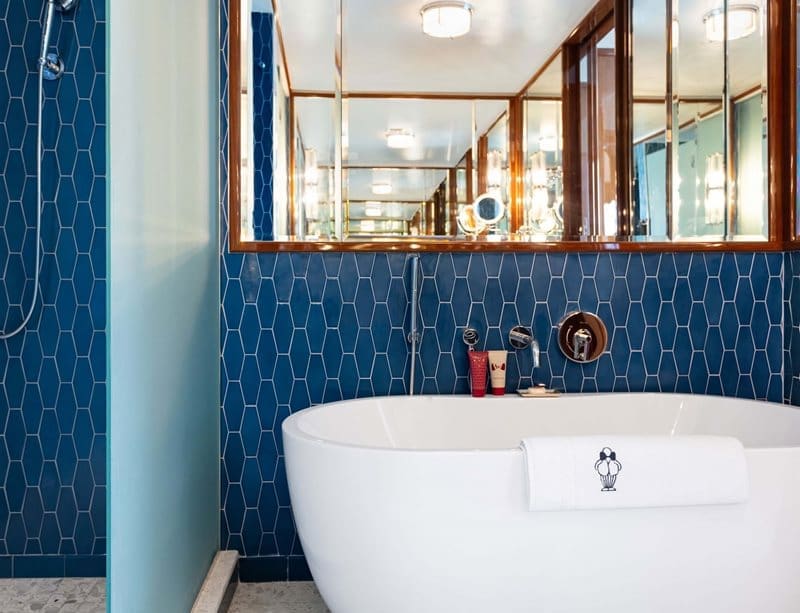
783 233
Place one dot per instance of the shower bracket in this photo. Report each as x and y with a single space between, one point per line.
52 67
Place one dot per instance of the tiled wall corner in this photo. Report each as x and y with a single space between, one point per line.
792 327
53 376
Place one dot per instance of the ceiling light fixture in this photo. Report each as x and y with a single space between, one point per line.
742 22
372 209
399 138
381 189
446 19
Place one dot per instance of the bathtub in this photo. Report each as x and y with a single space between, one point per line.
417 505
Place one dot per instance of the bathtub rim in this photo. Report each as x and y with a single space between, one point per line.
290 425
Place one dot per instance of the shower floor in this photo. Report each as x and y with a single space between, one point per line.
53 595
295 597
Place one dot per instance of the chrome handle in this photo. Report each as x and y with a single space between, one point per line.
520 337
580 344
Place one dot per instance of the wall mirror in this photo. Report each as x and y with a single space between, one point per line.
377 124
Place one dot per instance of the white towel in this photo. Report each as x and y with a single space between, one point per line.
604 472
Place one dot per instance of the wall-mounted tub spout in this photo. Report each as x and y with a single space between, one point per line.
521 338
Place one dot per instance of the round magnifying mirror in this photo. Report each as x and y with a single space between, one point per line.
489 209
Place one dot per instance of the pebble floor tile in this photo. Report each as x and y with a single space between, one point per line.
53 595
295 597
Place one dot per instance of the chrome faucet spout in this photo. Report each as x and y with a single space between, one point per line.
535 353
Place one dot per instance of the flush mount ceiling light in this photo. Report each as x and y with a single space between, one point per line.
399 138
372 209
446 19
742 22
381 189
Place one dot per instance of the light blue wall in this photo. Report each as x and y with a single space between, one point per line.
163 303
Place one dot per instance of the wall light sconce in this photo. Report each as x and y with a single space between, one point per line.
742 22
715 189
311 169
446 19
548 143
311 183
540 196
494 169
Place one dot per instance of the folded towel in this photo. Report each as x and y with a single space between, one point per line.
604 472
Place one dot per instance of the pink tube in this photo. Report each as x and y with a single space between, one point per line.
478 368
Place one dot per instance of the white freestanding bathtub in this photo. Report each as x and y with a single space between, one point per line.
417 505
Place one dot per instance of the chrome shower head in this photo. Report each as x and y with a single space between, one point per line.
50 64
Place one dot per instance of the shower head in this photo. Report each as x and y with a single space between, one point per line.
50 64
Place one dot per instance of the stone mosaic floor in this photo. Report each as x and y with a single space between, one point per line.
52 595
295 597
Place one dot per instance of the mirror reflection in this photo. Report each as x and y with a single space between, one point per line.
515 125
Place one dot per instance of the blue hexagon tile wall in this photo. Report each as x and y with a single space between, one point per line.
300 329
262 128
792 327
52 405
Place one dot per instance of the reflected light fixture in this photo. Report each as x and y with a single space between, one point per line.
494 169
310 184
399 138
446 19
372 209
548 143
367 225
381 189
742 22
715 189
311 170
540 197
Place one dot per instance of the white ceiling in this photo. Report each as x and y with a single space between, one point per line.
385 50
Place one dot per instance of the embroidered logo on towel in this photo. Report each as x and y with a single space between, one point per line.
608 468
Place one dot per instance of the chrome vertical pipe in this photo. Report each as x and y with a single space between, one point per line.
413 335
48 28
